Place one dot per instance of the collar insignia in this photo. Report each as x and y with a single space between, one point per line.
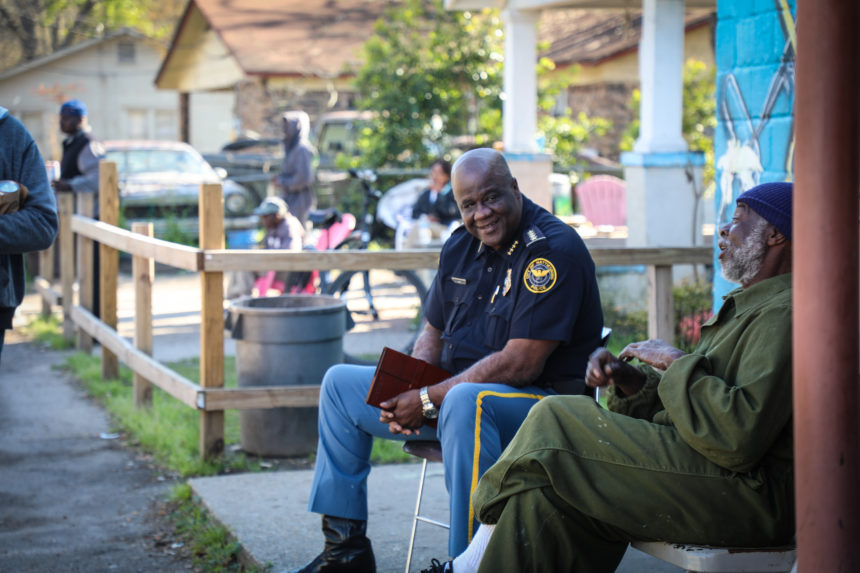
533 235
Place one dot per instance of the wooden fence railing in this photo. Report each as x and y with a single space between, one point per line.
211 260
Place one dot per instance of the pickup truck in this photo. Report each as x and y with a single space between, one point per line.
252 162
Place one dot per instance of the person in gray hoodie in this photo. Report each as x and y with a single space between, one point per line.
33 224
297 172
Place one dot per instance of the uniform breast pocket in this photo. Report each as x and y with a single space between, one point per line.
456 306
498 323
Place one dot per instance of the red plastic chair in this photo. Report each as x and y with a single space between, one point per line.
267 283
603 200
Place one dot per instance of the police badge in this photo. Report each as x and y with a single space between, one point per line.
540 276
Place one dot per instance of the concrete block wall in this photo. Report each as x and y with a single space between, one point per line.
754 140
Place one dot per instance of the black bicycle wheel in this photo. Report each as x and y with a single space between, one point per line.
394 315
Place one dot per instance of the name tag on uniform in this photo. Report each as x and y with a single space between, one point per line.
458 281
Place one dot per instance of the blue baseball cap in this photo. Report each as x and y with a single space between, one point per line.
74 107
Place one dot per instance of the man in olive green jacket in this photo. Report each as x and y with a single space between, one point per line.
696 448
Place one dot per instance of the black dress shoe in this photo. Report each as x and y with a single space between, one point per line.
347 548
436 567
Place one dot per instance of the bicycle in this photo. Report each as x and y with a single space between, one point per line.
384 295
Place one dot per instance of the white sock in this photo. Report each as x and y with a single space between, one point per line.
468 560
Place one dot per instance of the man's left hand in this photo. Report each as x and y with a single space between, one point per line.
654 353
404 413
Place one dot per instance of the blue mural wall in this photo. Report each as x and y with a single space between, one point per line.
754 140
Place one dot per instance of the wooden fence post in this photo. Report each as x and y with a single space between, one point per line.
46 271
143 271
109 260
67 261
661 305
211 214
86 278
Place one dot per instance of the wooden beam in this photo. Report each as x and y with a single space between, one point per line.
354 260
108 261
66 209
46 273
174 384
250 259
661 303
211 318
86 272
165 252
143 273
49 296
635 256
258 397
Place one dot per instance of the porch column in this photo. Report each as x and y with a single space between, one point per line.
663 179
519 108
661 62
529 164
825 263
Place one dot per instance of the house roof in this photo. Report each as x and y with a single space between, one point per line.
292 37
588 37
73 49
260 35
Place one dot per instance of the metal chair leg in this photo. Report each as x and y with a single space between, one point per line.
427 451
417 511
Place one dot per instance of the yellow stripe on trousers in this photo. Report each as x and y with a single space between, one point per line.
477 455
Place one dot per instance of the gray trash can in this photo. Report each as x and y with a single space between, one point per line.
284 341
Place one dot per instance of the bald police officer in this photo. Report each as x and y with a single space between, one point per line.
513 312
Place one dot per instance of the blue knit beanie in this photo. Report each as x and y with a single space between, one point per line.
773 202
74 107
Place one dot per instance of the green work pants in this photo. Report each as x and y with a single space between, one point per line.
579 482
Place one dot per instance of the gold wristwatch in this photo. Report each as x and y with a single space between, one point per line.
430 411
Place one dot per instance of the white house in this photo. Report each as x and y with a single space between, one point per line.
114 75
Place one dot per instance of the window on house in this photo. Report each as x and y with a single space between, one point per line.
126 52
166 124
137 123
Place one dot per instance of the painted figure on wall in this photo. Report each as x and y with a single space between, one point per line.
742 164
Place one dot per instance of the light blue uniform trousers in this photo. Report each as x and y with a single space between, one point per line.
484 414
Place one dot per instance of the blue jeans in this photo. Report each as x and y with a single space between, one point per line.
476 422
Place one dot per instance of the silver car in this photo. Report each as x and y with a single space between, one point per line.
159 181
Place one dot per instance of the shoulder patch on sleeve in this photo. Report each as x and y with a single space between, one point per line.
533 235
540 276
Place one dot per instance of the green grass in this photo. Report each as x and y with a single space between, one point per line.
48 332
389 452
169 430
212 547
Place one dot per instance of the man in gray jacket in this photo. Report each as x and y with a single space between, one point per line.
297 173
31 226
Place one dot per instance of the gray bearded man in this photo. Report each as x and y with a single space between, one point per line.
695 448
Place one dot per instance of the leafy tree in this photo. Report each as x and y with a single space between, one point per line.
429 72
564 135
431 75
33 28
699 117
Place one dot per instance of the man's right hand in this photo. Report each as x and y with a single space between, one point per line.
605 369
61 185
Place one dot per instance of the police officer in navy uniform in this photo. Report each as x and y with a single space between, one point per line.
513 312
79 168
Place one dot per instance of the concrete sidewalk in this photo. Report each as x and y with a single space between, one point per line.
268 515
267 512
